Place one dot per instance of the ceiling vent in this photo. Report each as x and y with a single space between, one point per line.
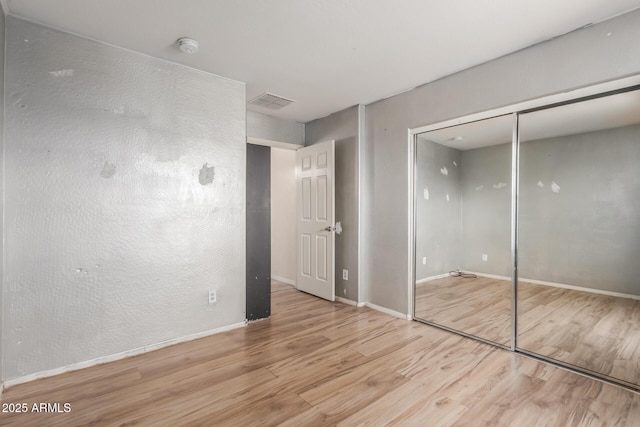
270 101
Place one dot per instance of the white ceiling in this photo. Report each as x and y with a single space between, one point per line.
325 54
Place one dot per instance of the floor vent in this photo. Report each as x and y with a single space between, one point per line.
270 101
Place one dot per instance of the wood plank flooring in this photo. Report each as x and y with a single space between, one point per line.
597 332
479 307
320 363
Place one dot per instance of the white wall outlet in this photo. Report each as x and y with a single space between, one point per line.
345 274
213 297
485 257
424 260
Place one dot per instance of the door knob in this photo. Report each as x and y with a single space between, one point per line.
337 228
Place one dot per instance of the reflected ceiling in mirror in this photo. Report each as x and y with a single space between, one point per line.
469 136
596 114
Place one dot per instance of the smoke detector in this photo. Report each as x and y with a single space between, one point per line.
271 101
188 45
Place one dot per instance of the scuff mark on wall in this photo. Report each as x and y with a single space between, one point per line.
555 187
540 184
454 163
499 185
426 193
126 110
444 171
62 73
206 174
480 188
108 170
448 198
17 98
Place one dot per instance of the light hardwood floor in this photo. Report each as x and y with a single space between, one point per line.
479 307
321 363
597 332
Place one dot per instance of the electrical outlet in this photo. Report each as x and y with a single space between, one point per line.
424 260
345 274
485 257
213 297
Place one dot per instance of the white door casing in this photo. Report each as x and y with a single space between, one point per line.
315 216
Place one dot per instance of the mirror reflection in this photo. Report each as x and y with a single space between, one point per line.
463 228
579 235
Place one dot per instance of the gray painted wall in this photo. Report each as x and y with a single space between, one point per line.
125 200
438 209
587 233
581 58
454 232
2 32
343 128
486 210
270 128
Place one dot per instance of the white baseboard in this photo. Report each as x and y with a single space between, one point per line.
489 276
388 311
118 356
350 302
283 280
560 285
580 288
428 279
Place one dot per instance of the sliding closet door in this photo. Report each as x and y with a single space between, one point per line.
463 229
579 235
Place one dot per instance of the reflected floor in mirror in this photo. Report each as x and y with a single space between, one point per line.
476 306
597 332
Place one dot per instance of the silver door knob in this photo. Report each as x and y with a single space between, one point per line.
337 228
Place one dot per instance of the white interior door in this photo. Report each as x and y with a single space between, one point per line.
315 216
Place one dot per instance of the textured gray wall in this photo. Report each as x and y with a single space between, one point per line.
343 128
2 27
438 205
587 232
125 200
591 55
486 210
273 129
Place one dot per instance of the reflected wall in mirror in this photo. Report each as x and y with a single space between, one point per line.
463 223
579 235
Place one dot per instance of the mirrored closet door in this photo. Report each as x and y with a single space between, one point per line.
579 235
573 242
463 229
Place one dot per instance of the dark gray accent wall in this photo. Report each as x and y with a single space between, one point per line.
438 209
584 57
343 128
258 232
